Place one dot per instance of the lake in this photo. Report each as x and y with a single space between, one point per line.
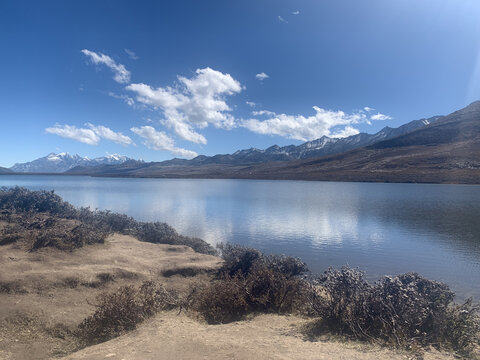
380 228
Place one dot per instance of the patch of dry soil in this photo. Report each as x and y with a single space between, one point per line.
45 293
173 336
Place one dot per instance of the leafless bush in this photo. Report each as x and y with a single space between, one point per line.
188 271
252 282
223 300
12 287
238 259
23 200
68 239
122 310
402 311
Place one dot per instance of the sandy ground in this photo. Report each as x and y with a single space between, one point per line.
173 336
43 293
40 290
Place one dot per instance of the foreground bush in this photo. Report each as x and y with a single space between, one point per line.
252 282
402 311
123 310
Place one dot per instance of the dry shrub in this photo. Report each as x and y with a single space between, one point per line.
252 282
70 282
10 234
64 238
404 311
121 311
22 200
188 271
222 301
12 287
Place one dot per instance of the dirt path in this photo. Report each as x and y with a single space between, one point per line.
173 336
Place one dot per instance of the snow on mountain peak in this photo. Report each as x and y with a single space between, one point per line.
57 163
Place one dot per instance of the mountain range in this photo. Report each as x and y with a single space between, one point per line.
59 163
442 149
437 149
311 149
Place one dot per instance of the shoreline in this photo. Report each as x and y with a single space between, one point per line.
477 183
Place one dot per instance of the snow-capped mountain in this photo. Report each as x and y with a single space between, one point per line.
58 163
310 149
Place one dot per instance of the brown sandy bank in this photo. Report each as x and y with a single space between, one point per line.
45 291
173 336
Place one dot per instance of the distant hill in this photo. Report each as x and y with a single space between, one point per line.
444 149
4 170
58 163
310 149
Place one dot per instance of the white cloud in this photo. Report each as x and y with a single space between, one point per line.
87 136
379 116
195 103
121 74
90 135
296 12
128 100
107 133
250 103
263 112
282 19
304 128
131 54
368 109
262 76
158 140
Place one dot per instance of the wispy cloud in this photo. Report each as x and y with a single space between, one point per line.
262 76
379 116
131 54
281 19
368 109
299 127
121 74
195 103
128 100
250 103
158 140
90 135
296 12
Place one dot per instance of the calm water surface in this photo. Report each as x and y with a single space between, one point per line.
381 228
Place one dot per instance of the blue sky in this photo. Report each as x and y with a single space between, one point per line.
157 79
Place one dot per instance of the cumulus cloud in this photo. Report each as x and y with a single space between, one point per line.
121 74
86 136
262 76
379 116
282 19
368 109
158 140
107 133
195 103
131 54
322 123
296 12
90 135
